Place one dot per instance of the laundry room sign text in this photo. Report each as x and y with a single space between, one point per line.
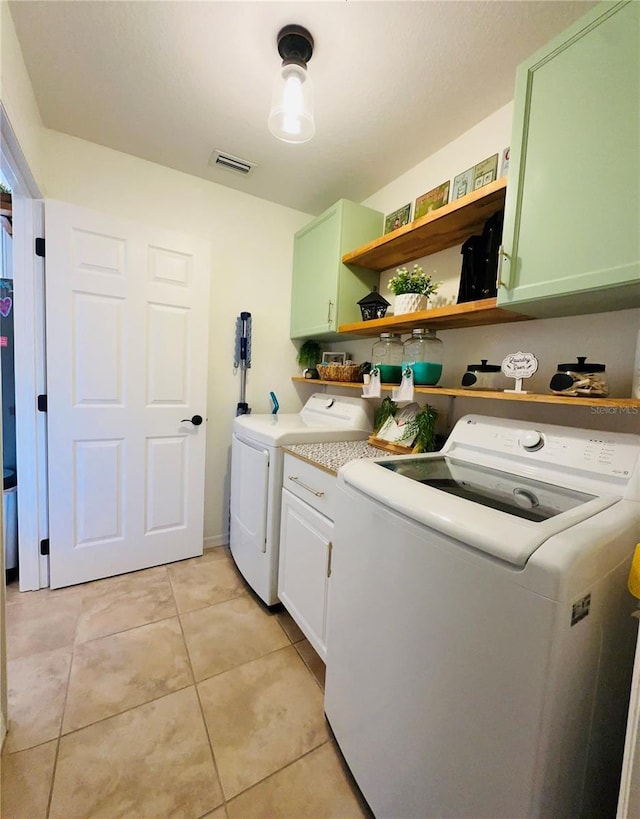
519 365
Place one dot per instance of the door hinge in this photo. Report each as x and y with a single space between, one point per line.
40 246
42 403
44 546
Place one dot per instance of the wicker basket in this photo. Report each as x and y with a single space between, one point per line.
339 372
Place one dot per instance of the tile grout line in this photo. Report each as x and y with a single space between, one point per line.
124 711
195 683
286 634
131 628
245 662
66 695
56 738
279 770
114 634
195 686
124 630
288 764
64 709
308 667
211 605
53 775
206 726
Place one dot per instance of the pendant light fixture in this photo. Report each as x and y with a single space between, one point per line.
291 116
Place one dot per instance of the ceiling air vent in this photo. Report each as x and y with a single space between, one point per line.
231 163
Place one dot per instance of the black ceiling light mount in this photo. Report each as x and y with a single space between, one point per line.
291 115
295 44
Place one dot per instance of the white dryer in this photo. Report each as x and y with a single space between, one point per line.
256 476
480 641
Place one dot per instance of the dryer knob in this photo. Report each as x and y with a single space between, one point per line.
531 440
330 403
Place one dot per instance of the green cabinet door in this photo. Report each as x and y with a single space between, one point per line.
324 291
572 213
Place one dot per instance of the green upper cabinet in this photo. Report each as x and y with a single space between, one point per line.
325 292
572 212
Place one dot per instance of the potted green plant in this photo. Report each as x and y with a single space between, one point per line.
422 430
309 355
412 289
386 409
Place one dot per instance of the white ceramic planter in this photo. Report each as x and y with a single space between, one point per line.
409 303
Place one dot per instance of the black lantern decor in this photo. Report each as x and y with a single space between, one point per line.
373 305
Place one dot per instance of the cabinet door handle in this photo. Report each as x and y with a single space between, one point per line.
329 312
502 255
295 479
330 549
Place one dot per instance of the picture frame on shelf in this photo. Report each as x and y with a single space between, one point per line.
432 200
462 184
397 219
485 172
334 358
504 165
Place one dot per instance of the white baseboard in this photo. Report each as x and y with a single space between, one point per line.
216 540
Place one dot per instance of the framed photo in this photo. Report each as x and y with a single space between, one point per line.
432 200
485 172
334 358
462 184
399 218
504 165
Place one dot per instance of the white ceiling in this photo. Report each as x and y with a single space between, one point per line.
171 81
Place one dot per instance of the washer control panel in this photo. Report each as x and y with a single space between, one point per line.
601 453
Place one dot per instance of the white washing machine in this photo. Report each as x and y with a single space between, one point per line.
480 641
256 476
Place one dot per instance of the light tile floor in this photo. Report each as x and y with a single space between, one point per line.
170 692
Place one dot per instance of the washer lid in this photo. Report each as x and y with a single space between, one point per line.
324 417
280 430
459 512
517 495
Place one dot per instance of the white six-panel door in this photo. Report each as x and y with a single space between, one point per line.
127 332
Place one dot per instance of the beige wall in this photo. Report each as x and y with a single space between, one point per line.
609 338
252 246
17 94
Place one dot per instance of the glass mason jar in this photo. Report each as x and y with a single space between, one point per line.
423 351
386 355
580 378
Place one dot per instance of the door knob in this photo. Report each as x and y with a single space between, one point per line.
196 420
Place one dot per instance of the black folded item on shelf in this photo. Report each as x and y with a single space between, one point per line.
480 261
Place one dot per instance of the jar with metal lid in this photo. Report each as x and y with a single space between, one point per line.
580 378
386 355
422 352
482 376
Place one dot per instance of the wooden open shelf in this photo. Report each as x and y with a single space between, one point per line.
470 314
495 395
446 227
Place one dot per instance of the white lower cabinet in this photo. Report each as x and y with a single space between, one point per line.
305 562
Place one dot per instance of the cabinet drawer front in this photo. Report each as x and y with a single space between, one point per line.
309 483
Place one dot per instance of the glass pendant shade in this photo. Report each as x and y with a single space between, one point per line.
291 116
